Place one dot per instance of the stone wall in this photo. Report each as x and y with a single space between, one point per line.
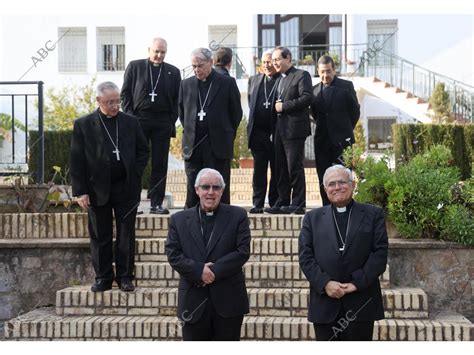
445 271
30 277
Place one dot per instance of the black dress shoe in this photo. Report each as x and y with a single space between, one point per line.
101 285
159 210
273 210
292 210
256 210
126 285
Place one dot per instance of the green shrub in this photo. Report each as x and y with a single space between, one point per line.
418 191
372 176
457 224
412 139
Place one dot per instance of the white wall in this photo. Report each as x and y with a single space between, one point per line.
423 37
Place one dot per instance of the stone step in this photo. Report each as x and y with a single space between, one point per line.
45 324
284 274
402 303
261 249
74 225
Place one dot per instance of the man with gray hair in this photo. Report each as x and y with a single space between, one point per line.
108 156
261 131
150 92
343 250
210 112
208 245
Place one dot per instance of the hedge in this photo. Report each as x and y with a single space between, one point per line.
57 148
412 139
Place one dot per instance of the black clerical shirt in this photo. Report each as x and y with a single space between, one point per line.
207 221
117 169
263 115
202 128
342 219
161 103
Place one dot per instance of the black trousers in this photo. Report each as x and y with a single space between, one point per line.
263 152
201 158
101 234
157 130
326 155
289 156
350 331
212 326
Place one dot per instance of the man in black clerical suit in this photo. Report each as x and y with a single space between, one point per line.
342 252
336 111
208 245
210 112
108 155
293 94
150 92
223 60
261 130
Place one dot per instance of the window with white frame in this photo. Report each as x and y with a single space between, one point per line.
110 48
383 34
72 49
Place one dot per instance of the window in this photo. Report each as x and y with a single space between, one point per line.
380 132
384 34
268 19
72 49
268 39
110 48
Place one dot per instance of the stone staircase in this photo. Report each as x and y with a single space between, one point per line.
240 187
278 295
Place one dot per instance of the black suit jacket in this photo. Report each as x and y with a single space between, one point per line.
335 119
90 162
252 93
363 261
223 114
136 87
229 250
295 92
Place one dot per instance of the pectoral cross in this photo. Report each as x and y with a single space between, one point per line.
152 94
201 115
266 104
117 153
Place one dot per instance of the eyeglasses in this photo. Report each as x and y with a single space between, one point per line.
213 187
341 183
112 103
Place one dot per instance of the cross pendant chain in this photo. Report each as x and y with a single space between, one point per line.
202 113
153 87
267 97
116 151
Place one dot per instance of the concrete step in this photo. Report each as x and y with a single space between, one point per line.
284 274
400 303
45 324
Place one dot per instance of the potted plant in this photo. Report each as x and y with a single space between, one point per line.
308 64
242 155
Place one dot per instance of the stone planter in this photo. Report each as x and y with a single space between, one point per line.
23 198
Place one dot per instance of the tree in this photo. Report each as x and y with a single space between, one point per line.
63 106
440 104
359 136
6 127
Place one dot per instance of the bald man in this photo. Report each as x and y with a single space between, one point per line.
150 92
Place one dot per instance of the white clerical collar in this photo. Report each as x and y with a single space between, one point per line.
341 209
283 75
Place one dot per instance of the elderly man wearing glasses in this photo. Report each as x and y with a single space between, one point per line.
108 155
208 245
342 252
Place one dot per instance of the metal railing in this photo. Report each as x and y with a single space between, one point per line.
421 82
11 123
